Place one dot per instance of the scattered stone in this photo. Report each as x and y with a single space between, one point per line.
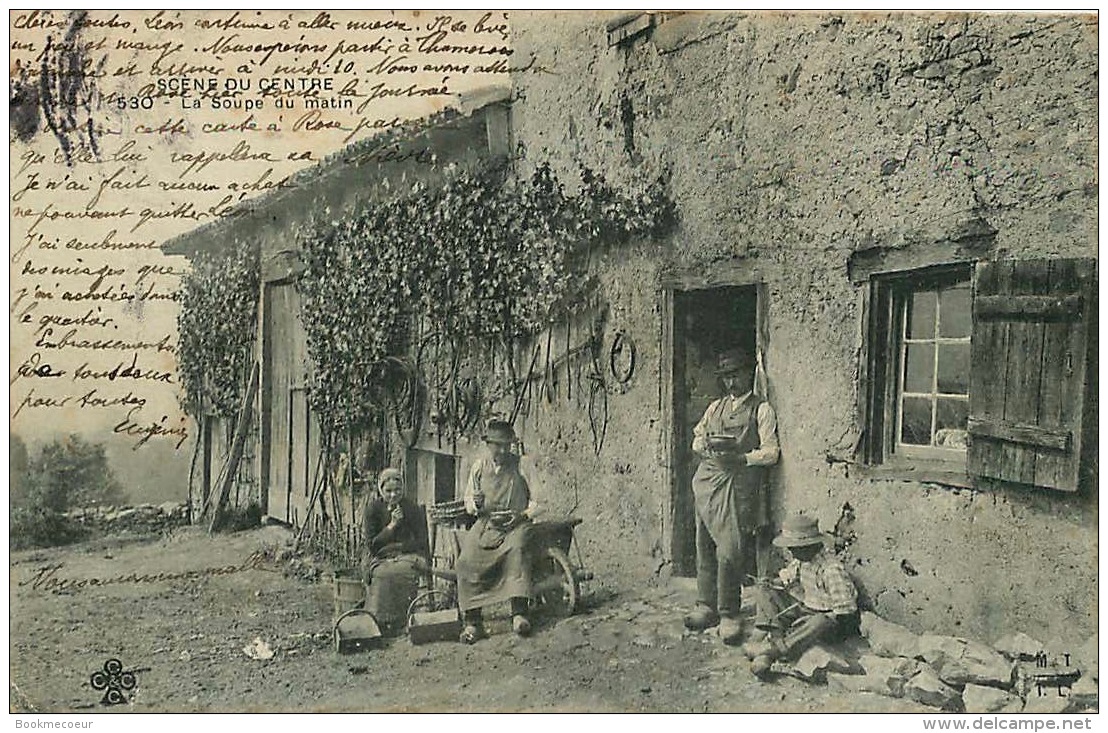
817 661
258 649
849 682
977 664
926 688
888 675
933 648
960 661
1084 694
983 699
888 639
783 668
1087 658
1019 646
906 667
1050 702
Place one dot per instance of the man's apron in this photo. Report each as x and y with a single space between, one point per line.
730 499
494 565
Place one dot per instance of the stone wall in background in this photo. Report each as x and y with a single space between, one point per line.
141 519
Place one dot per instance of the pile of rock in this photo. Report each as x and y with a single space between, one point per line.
302 564
1015 675
141 519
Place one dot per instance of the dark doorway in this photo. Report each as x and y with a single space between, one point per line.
705 323
444 477
431 477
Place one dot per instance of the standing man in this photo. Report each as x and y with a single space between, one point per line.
736 439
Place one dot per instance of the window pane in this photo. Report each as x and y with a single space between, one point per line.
919 367
954 312
950 423
954 367
916 421
921 316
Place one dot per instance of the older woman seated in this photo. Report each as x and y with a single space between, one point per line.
396 556
494 563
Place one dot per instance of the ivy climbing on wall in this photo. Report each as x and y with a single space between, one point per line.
484 256
216 328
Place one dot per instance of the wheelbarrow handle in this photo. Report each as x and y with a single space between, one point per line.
451 575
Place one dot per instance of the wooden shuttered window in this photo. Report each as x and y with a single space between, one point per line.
1030 355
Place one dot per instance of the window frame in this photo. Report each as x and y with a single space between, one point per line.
888 296
901 304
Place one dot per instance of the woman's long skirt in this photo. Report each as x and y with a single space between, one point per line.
393 584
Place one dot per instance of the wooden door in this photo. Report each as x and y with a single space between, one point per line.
291 450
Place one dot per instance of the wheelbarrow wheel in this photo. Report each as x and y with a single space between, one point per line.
556 587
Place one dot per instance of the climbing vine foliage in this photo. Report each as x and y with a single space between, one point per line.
484 257
216 329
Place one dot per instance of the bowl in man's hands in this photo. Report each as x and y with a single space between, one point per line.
501 518
722 442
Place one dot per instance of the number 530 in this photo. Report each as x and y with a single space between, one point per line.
134 102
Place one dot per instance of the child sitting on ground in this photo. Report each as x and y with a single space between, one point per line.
812 601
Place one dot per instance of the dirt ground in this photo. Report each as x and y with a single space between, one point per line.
626 652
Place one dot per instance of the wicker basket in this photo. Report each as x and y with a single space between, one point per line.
447 512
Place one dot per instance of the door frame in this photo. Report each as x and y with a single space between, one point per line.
667 393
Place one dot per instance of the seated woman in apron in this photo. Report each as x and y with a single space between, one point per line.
395 538
494 564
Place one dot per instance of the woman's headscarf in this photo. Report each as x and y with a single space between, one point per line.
389 474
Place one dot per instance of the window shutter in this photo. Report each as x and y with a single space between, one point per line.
1027 384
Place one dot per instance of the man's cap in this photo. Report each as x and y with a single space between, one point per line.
499 431
735 361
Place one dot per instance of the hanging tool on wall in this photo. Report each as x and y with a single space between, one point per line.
231 466
622 356
523 386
